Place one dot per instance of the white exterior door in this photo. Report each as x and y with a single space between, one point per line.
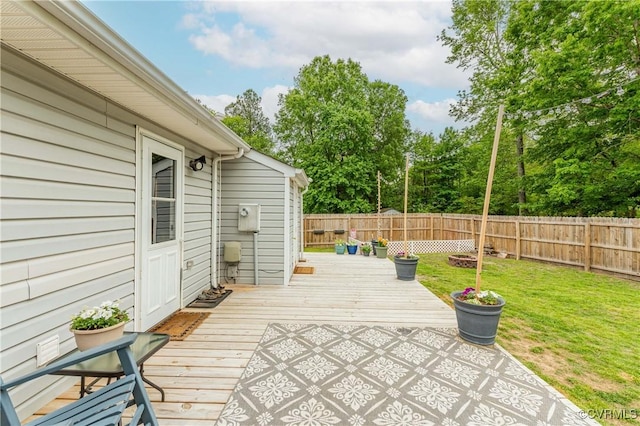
161 236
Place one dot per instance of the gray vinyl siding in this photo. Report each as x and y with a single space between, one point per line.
245 181
67 214
67 211
197 228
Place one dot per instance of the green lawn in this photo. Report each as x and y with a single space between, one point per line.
319 249
579 331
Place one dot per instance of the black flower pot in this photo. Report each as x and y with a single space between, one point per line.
477 323
406 268
374 244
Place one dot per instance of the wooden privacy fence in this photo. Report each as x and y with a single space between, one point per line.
606 244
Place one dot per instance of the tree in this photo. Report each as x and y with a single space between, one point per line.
585 90
387 105
568 74
437 172
478 42
341 128
246 118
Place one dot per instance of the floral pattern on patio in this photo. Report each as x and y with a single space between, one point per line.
360 375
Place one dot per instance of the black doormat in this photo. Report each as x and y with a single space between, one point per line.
210 299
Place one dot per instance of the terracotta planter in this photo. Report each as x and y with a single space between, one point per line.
87 339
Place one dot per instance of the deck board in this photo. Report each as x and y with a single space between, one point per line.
199 373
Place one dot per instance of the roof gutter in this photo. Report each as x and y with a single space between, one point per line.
215 223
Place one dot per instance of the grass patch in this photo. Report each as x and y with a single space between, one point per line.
319 249
576 330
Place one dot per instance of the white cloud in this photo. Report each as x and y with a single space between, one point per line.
190 21
270 100
393 41
216 102
433 116
435 111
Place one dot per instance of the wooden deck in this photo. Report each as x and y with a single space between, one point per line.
199 373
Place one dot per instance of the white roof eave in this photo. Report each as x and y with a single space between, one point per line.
156 98
302 179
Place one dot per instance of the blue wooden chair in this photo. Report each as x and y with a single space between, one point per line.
101 408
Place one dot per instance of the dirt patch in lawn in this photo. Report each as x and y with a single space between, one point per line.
555 366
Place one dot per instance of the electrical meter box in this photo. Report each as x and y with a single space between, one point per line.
249 217
232 252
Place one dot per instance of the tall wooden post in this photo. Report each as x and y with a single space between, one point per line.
406 197
379 203
518 243
487 197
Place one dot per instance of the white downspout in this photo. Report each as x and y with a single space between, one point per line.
256 277
215 224
302 222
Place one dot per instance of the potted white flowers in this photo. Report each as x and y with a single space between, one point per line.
97 325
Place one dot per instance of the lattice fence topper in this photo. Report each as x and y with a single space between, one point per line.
430 246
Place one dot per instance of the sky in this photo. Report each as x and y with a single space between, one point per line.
216 50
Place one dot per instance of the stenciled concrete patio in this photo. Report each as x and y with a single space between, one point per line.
200 373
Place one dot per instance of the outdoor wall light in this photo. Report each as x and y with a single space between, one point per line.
197 163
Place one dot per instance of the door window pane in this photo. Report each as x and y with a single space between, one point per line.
164 220
163 177
163 202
